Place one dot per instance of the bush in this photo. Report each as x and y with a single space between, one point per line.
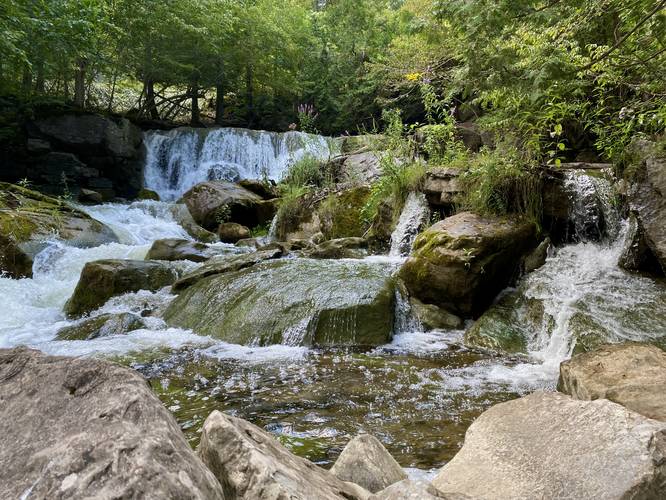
306 172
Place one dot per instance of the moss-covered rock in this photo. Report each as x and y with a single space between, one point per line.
102 279
433 317
28 219
464 261
340 213
295 302
341 248
147 194
103 325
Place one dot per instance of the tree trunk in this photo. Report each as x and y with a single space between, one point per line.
26 81
151 107
250 95
195 103
80 84
39 83
219 103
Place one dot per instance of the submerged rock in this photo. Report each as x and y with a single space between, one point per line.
29 219
84 428
102 279
176 249
225 264
366 462
464 261
103 325
547 445
292 301
213 202
251 465
230 232
633 375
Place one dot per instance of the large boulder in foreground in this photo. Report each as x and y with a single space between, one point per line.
213 202
647 197
366 462
29 219
102 279
292 301
464 261
548 445
251 465
633 375
84 428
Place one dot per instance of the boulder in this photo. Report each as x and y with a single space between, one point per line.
366 462
90 196
548 445
292 301
147 194
225 264
102 279
214 202
633 375
537 258
251 464
183 217
636 254
104 325
86 428
464 261
432 317
177 249
442 186
230 232
29 219
647 196
266 189
359 168
415 490
340 248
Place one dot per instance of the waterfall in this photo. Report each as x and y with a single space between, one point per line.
178 159
414 216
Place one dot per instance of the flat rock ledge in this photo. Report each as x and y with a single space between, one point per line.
548 445
84 428
631 374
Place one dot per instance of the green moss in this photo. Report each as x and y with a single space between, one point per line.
340 213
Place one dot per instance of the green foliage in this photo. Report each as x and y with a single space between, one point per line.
307 172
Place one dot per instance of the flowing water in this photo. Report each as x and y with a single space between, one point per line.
418 393
413 218
179 159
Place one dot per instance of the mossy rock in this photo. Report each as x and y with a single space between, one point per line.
147 194
294 302
340 213
102 279
103 325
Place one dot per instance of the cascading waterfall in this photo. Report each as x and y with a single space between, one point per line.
178 159
414 216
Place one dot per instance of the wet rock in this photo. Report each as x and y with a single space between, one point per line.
252 465
102 279
147 194
548 445
415 490
292 301
636 254
633 375
441 186
266 189
83 428
177 249
647 196
183 217
432 317
90 196
366 462
464 261
213 202
340 248
230 232
249 243
225 264
104 325
29 219
537 258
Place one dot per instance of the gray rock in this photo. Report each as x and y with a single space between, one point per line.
433 317
415 490
183 217
265 189
90 196
366 462
176 249
251 465
537 258
633 375
548 445
441 186
360 168
84 428
339 248
636 254
102 279
103 325
231 232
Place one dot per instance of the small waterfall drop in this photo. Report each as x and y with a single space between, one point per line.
178 159
414 216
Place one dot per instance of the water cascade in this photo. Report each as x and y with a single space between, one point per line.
414 216
178 159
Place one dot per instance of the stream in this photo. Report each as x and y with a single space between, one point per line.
418 393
